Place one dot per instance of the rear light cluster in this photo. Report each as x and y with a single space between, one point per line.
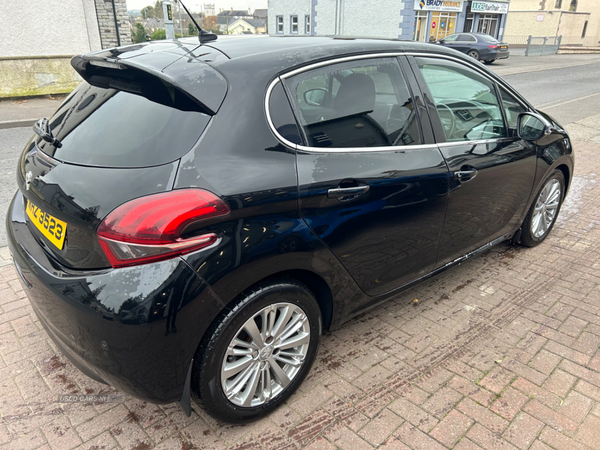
149 228
493 46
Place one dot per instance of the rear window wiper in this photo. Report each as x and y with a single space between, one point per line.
42 129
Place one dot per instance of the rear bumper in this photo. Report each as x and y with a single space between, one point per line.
134 328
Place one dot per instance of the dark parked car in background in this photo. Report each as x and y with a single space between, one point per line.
193 217
481 47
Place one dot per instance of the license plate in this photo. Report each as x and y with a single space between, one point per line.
503 47
54 229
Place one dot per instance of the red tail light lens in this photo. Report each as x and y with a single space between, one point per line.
149 228
493 46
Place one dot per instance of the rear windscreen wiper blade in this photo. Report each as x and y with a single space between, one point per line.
42 129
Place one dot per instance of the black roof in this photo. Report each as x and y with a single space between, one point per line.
301 49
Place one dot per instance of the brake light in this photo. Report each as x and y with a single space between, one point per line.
149 228
493 46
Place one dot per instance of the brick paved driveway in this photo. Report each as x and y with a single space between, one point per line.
498 353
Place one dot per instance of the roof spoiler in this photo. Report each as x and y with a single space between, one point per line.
172 89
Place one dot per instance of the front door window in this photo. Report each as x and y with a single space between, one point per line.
420 30
466 102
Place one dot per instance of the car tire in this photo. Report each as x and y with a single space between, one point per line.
232 342
473 54
543 212
489 61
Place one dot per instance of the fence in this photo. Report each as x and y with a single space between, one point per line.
540 46
536 46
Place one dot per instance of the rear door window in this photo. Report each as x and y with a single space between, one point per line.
364 103
111 128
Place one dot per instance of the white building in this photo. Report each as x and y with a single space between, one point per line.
422 20
37 43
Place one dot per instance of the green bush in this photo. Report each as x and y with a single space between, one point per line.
158 35
139 33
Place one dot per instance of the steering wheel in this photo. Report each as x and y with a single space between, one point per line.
448 119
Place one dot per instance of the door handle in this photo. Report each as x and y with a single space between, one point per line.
344 194
465 175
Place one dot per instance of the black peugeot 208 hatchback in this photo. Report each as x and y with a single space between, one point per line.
193 217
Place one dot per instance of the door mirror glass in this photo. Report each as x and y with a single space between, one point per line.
315 97
530 127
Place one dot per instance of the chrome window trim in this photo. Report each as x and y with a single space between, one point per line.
396 148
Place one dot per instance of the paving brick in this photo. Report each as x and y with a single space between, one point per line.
466 444
552 418
393 443
533 391
523 430
320 443
545 361
469 389
567 352
483 415
559 441
451 428
306 430
486 439
344 438
573 326
509 403
442 401
416 439
589 432
575 406
413 414
497 379
304 404
559 383
380 427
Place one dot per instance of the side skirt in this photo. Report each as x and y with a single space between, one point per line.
384 297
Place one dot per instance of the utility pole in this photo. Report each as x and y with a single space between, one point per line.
168 18
180 22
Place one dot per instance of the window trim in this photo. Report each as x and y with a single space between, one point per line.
281 77
292 24
307 24
277 25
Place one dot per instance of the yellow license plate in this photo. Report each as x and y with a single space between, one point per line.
503 47
51 227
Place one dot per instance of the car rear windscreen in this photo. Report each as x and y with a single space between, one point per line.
111 128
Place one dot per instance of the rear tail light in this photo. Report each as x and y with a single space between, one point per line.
149 228
493 46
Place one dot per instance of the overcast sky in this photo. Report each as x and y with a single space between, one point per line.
196 5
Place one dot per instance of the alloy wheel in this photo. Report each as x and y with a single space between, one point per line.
546 208
265 355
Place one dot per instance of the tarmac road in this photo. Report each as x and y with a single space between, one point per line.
567 93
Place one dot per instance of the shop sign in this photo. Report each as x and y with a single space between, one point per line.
489 7
439 5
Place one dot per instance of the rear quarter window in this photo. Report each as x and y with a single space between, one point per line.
111 128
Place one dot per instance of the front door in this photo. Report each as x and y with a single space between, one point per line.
491 170
368 186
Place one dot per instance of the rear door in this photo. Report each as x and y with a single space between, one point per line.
369 185
491 169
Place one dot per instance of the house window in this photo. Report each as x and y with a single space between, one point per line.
294 25
279 24
558 4
306 24
573 6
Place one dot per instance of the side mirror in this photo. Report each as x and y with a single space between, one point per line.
441 41
315 97
532 127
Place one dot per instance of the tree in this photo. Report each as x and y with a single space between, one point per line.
138 33
209 23
147 12
158 10
192 29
